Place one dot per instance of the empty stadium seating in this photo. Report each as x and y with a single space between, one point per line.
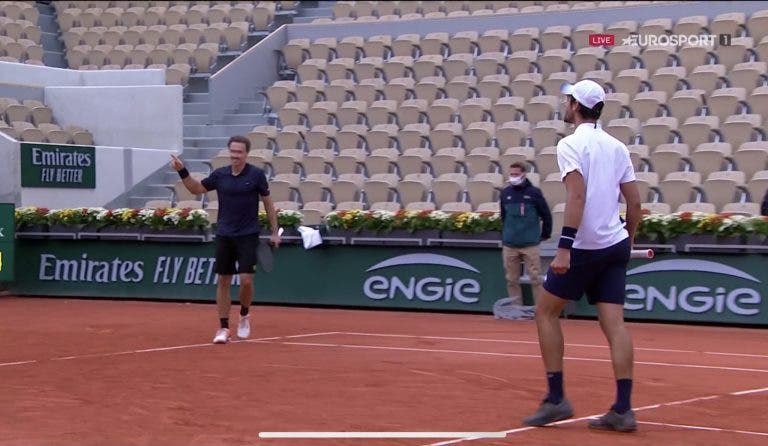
32 121
458 103
19 33
182 38
433 119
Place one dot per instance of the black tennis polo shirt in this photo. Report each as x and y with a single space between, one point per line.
238 199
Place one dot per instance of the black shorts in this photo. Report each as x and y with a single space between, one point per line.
600 273
236 254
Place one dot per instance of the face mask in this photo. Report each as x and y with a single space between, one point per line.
516 181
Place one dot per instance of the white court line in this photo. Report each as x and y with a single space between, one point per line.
322 333
17 363
747 392
381 434
746 355
637 409
704 428
512 355
163 349
509 341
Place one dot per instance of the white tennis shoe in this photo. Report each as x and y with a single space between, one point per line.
244 327
222 336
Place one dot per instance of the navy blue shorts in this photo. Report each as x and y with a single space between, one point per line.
236 254
600 273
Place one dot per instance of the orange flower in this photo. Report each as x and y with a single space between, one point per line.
686 216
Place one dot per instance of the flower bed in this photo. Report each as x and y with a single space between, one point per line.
412 221
670 226
652 226
154 219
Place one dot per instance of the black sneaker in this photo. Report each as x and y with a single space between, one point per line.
614 421
550 413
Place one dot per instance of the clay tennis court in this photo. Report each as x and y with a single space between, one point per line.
92 372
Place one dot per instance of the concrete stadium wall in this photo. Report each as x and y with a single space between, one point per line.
134 117
21 92
117 170
145 116
123 77
10 170
16 73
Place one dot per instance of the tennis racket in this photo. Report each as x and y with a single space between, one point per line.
264 254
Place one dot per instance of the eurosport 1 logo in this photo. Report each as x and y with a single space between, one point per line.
676 40
423 277
693 286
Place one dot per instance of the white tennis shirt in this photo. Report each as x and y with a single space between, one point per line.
604 163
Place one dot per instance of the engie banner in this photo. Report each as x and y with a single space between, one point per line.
705 288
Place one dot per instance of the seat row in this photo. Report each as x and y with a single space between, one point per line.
556 37
231 35
31 120
20 29
19 10
198 57
20 50
260 15
317 195
284 5
345 11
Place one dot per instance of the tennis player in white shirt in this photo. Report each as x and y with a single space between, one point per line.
592 255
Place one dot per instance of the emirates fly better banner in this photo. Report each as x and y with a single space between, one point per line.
705 288
58 166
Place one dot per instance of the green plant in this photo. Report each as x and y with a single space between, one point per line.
286 218
173 218
30 216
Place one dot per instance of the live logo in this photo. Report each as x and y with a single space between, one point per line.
602 40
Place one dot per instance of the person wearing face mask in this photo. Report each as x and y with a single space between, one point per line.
526 222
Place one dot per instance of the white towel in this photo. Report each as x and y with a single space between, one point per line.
310 237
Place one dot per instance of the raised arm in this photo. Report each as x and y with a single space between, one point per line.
192 184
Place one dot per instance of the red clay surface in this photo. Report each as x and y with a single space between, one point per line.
72 373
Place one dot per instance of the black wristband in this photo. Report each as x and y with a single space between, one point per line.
567 237
183 173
